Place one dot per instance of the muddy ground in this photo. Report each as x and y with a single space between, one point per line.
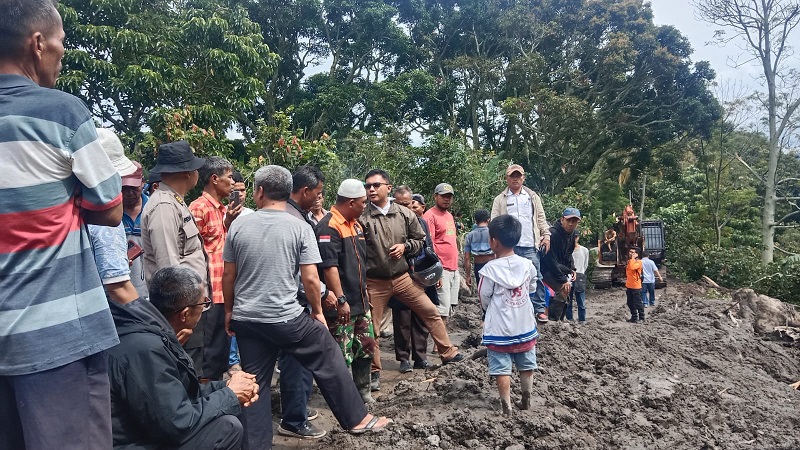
696 375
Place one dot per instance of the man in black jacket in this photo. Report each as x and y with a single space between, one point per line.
558 268
157 401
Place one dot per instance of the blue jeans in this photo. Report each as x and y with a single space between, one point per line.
296 383
233 356
580 297
649 289
532 254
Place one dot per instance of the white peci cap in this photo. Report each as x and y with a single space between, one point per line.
352 188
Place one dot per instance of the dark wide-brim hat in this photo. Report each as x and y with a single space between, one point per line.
176 157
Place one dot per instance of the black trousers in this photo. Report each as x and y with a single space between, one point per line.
635 303
409 334
222 433
310 343
216 343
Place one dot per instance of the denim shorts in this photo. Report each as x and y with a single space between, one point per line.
500 363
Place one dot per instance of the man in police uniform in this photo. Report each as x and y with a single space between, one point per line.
170 236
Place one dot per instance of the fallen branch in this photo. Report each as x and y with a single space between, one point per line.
710 282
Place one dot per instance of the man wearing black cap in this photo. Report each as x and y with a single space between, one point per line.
170 235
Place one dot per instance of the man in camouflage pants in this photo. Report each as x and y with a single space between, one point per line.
342 246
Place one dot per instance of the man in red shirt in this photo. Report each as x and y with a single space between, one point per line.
213 220
442 227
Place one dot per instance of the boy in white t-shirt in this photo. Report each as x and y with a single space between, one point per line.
509 332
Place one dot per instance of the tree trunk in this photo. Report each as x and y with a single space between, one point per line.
644 188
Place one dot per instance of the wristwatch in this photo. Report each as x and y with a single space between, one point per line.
341 299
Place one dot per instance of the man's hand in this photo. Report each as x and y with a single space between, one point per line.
469 281
344 313
545 242
565 288
232 214
439 284
184 334
330 301
244 386
396 251
319 317
228 317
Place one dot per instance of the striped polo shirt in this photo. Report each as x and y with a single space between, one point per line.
53 310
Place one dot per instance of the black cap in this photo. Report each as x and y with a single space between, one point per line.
176 157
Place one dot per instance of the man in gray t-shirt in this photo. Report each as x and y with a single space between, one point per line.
261 294
266 254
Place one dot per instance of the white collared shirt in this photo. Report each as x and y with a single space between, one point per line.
520 206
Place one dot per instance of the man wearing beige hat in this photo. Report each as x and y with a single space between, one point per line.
442 227
526 206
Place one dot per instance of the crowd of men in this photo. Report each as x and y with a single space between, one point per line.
118 300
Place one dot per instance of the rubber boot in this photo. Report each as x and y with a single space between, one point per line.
506 405
527 387
362 378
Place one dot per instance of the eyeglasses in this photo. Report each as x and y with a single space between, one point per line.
206 305
374 185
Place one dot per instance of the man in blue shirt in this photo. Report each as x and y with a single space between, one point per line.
133 201
649 272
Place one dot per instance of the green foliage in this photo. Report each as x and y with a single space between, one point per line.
474 175
781 280
129 58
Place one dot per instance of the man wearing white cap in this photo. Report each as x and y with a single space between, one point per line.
526 206
344 270
109 243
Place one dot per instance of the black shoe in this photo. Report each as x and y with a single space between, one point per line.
424 364
307 432
632 320
311 413
375 383
405 366
454 359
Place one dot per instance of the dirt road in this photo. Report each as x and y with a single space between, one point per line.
690 377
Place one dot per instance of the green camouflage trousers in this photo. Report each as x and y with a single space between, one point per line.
356 338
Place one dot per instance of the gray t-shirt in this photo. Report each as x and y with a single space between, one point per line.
268 248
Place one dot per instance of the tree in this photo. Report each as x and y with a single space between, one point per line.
765 28
131 59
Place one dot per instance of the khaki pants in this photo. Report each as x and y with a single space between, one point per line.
410 294
448 292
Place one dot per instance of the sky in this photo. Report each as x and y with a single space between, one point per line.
681 14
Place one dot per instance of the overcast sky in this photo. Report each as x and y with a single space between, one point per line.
681 14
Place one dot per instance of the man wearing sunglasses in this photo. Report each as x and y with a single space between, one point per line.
157 397
393 233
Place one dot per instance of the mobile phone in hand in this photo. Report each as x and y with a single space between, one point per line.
234 199
134 250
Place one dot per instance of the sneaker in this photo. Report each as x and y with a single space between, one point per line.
311 413
306 432
422 364
405 366
632 320
454 359
375 384
542 318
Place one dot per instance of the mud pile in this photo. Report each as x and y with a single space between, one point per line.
704 371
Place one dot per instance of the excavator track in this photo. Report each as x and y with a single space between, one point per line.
602 276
